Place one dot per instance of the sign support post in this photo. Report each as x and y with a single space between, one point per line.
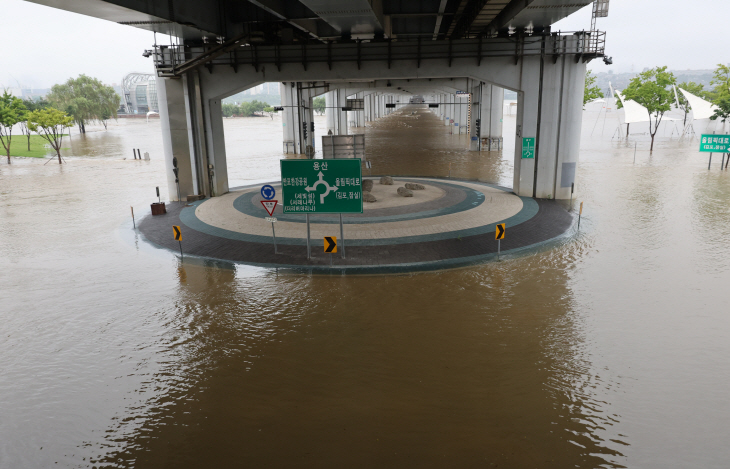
580 213
273 231
342 237
309 248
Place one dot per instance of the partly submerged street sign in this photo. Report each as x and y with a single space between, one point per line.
715 143
528 147
269 205
499 233
321 186
330 244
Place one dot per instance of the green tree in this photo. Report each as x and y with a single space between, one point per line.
696 89
31 105
270 111
229 110
319 104
86 99
652 89
591 92
720 94
12 112
721 80
49 123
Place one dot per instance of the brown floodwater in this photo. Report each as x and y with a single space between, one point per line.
608 350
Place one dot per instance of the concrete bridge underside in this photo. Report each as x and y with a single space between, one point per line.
549 89
353 48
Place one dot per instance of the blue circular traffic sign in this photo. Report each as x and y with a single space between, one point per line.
268 192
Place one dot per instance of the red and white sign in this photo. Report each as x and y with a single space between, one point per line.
269 205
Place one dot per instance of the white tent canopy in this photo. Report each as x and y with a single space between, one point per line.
701 109
633 111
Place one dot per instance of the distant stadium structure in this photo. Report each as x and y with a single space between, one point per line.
139 93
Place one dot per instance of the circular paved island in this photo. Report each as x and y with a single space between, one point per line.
448 224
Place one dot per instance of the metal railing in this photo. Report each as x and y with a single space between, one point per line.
174 60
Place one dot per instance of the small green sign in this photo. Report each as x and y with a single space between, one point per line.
715 143
321 186
528 147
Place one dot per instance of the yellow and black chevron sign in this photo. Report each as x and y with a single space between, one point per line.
330 244
499 234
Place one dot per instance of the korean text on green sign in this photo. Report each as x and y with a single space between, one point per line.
715 143
528 147
321 186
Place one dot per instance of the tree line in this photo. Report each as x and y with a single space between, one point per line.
80 100
246 109
654 90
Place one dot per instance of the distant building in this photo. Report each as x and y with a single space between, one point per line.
139 93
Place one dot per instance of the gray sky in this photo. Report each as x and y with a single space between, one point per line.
49 46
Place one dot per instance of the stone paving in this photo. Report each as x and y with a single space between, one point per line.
450 224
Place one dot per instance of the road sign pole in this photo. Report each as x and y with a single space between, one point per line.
710 162
722 163
134 225
342 237
181 253
580 213
309 249
273 231
499 247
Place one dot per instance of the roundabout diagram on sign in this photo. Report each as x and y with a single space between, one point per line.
326 184
268 192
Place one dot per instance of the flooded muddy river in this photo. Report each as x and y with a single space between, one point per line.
609 350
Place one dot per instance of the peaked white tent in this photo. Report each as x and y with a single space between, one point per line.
701 109
633 111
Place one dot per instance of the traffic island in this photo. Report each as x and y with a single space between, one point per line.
446 224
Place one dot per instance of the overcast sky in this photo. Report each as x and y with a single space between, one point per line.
48 46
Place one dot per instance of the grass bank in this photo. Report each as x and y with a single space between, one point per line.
38 146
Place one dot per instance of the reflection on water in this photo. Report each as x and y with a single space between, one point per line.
607 351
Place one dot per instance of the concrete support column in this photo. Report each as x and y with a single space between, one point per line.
330 112
448 111
175 143
550 109
492 109
463 113
290 118
216 148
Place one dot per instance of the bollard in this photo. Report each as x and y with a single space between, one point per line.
635 143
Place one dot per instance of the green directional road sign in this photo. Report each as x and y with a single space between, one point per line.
321 186
715 143
528 147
